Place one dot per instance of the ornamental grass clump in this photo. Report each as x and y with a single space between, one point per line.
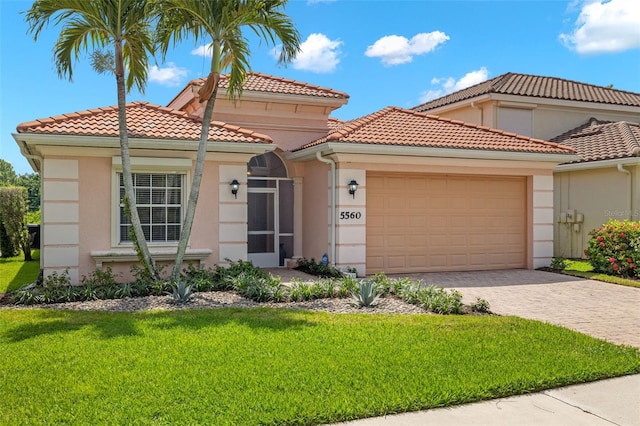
614 248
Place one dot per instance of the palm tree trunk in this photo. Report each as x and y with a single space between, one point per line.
140 240
197 178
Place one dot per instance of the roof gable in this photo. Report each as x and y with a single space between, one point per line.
603 140
265 83
538 87
402 127
144 120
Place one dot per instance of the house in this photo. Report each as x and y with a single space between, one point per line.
396 191
600 123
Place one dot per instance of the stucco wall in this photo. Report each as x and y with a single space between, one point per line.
599 195
550 121
315 210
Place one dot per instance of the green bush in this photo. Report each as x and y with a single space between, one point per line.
614 248
310 266
558 263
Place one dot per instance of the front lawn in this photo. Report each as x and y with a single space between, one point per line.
15 272
277 366
583 269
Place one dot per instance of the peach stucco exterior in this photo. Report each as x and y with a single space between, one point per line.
81 191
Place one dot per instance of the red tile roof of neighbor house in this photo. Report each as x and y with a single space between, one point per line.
603 140
258 82
144 120
538 87
403 127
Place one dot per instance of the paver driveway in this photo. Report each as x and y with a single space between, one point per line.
606 311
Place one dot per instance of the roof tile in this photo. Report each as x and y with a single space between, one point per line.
402 127
144 120
603 140
538 87
259 82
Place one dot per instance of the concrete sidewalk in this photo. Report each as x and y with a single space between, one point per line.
606 402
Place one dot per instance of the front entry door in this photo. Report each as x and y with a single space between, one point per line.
262 227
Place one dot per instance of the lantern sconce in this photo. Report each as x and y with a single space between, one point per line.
235 185
353 186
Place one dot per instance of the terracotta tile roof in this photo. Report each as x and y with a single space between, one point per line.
603 140
335 123
144 120
538 87
402 127
259 82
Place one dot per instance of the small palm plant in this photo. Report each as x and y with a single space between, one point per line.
182 292
365 295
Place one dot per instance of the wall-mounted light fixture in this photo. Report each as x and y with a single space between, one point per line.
235 185
353 186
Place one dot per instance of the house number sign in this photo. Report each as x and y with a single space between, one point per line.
350 215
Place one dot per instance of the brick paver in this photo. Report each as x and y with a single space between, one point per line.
607 311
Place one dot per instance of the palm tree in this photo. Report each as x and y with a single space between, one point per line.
124 26
221 22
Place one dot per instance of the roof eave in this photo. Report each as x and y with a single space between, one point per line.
34 139
419 151
597 164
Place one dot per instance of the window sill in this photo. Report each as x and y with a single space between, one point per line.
129 255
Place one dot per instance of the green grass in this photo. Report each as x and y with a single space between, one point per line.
277 366
14 272
583 269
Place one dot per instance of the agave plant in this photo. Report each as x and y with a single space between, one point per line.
182 292
365 295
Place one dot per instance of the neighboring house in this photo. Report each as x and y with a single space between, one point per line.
600 123
394 191
604 184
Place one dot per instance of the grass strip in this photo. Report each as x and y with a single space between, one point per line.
15 272
277 366
583 269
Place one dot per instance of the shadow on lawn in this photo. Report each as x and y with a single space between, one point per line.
108 325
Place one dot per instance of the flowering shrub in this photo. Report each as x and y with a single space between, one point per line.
614 248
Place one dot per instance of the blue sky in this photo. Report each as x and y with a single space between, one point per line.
380 52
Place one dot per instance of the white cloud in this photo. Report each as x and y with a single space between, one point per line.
605 27
448 85
396 50
170 76
319 1
317 54
203 50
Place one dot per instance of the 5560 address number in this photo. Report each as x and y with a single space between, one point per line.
350 215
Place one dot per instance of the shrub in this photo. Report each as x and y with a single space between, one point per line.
614 248
6 244
558 263
432 298
259 287
310 266
480 305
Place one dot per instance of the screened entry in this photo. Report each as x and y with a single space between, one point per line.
270 211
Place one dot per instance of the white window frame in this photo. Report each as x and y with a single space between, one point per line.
180 166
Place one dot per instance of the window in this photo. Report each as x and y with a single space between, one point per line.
159 202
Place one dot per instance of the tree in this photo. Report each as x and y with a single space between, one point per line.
31 181
13 208
8 175
222 22
124 26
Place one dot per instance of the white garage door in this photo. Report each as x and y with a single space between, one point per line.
422 223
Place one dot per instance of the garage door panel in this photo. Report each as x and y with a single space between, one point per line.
453 223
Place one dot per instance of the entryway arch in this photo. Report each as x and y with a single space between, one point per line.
270 211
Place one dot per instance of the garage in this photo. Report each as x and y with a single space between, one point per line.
437 222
